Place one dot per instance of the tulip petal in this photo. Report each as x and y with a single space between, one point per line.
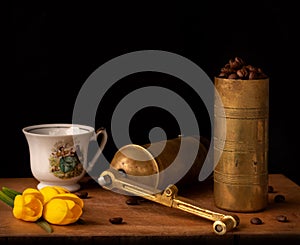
70 196
18 207
50 191
61 189
34 192
55 211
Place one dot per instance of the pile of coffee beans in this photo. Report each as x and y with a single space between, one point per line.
238 69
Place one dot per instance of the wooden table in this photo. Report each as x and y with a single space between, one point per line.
152 223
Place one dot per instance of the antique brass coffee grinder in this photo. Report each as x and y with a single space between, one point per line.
135 171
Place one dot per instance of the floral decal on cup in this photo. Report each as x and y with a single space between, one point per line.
65 160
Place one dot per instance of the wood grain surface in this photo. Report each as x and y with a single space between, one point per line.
149 222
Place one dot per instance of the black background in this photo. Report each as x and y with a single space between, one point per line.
54 48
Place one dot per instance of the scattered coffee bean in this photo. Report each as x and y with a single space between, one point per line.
116 220
132 200
81 194
279 198
80 221
256 221
281 218
270 189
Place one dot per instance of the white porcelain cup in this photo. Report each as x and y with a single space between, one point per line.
59 153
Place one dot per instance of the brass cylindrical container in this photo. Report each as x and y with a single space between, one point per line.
241 175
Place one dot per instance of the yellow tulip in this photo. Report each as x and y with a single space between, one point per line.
55 204
34 192
50 191
27 207
63 209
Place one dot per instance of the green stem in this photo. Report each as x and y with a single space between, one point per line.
6 199
10 192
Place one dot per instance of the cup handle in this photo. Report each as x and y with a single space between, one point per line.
100 131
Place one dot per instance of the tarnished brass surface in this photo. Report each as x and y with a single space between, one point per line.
241 175
112 179
136 160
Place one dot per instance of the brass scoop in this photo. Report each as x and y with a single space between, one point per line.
112 179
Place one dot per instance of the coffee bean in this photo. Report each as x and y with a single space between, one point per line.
270 189
116 220
141 199
223 75
252 75
231 63
242 73
256 221
81 194
281 218
239 61
279 198
132 201
233 76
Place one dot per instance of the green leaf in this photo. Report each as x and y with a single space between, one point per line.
45 225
